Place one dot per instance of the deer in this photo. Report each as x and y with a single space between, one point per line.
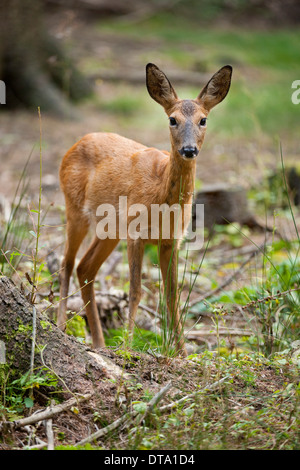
101 167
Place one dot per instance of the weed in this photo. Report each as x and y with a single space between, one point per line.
16 394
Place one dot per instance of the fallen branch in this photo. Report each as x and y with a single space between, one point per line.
171 406
221 331
50 435
102 432
152 403
132 417
46 414
119 296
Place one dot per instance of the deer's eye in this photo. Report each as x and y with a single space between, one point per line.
202 122
173 121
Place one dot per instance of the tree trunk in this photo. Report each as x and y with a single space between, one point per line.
74 364
33 66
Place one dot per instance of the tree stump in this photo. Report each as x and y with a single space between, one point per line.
77 367
223 204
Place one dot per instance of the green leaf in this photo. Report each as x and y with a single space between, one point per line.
32 233
28 402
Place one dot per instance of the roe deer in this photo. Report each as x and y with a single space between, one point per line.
102 167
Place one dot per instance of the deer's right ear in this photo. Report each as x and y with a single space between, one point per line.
159 87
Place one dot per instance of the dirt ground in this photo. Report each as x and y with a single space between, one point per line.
112 399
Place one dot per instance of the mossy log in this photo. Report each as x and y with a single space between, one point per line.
78 368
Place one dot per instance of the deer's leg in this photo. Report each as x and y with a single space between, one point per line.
87 269
75 234
168 266
135 250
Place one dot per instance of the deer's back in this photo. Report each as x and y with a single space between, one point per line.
102 166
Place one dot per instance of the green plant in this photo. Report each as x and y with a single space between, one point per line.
16 229
142 339
76 326
16 393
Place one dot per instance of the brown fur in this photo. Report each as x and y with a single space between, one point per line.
101 167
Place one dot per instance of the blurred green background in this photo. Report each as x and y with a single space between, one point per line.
83 63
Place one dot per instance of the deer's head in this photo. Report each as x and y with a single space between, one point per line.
187 118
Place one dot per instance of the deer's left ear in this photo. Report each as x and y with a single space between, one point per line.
216 89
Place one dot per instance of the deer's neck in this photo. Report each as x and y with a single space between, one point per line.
180 180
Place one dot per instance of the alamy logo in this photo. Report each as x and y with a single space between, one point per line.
160 221
296 95
2 92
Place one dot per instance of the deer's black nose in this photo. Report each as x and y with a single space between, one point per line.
189 151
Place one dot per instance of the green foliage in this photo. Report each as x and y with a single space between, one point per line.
125 104
151 254
76 326
84 447
270 55
241 414
15 392
142 339
232 234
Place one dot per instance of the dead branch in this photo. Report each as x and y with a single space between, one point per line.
191 335
228 281
50 435
132 417
102 432
152 403
47 414
171 406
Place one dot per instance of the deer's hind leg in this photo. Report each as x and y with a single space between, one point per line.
87 270
75 235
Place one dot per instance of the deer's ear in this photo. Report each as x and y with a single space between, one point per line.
216 89
159 87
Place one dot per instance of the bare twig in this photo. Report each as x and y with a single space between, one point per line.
39 445
270 297
222 331
133 417
214 386
102 432
228 280
50 436
49 412
152 403
149 310
33 339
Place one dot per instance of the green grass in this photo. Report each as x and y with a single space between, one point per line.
265 63
275 49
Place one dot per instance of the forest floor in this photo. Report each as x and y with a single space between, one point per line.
257 404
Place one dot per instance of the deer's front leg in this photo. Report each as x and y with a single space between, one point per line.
135 250
168 266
